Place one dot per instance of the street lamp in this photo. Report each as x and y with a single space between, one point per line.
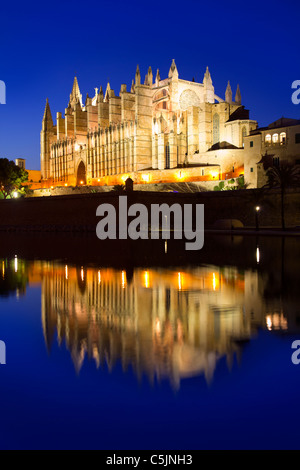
257 209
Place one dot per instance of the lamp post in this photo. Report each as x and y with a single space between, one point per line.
257 209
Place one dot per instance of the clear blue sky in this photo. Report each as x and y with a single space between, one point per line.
42 45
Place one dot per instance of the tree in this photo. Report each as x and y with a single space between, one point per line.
283 177
11 177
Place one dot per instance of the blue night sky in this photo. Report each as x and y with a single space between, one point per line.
255 44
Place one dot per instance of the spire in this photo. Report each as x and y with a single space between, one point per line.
106 98
47 118
137 76
207 81
228 94
157 78
238 96
173 72
75 96
150 77
132 87
100 95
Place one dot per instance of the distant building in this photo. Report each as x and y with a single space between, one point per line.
276 144
34 176
146 133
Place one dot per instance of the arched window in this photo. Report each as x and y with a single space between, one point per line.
167 162
244 133
268 139
275 138
282 138
216 129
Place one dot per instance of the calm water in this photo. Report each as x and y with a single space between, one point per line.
155 349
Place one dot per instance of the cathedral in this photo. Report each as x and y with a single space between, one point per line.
161 130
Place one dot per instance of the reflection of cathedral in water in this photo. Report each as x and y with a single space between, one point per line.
162 322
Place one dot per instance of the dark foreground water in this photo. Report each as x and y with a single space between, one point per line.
149 347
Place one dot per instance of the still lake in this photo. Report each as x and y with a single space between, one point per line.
141 345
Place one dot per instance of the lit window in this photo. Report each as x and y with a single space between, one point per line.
282 138
275 138
268 139
244 133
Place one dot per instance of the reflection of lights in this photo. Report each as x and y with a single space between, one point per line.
146 279
66 272
179 281
3 269
99 277
16 264
82 274
269 322
166 246
257 255
214 281
157 326
276 321
124 279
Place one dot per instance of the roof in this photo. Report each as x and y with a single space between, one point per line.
222 145
282 122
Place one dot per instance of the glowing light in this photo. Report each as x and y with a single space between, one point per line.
180 175
3 269
214 174
124 280
15 194
257 255
81 182
146 178
16 264
99 277
166 246
257 208
52 187
269 322
77 147
124 177
66 272
146 279
98 180
82 274
66 184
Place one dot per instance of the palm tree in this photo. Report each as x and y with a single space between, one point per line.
283 177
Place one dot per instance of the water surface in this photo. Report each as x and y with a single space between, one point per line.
122 347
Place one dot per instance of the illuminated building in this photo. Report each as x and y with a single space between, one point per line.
161 130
